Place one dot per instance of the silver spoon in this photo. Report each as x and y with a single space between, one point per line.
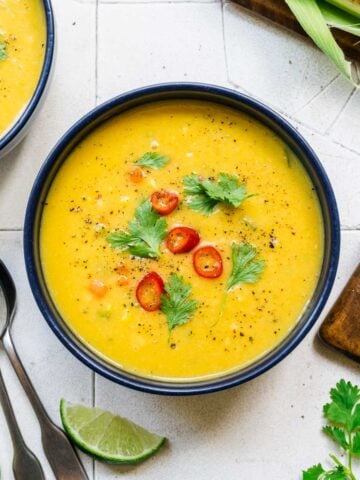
58 450
25 463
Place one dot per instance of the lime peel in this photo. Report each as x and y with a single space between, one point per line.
107 437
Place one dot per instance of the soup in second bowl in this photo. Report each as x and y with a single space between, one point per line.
22 47
181 240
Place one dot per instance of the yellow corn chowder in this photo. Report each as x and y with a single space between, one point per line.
181 240
22 49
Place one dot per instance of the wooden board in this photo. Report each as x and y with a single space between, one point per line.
341 328
279 12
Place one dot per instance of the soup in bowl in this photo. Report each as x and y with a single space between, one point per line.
26 51
181 238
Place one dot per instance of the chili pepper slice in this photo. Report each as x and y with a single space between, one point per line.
164 202
182 239
207 262
149 291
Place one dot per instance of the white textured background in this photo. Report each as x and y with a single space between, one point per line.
269 428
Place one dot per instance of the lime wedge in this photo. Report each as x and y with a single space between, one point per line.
107 437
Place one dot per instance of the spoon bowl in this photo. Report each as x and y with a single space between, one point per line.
9 293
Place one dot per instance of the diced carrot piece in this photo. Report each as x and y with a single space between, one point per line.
136 175
122 268
98 288
123 280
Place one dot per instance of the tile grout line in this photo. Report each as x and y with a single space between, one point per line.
326 135
228 77
16 229
314 97
338 116
96 50
224 41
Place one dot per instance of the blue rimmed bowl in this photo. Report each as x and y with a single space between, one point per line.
20 127
181 91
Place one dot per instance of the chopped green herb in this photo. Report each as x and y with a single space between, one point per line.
313 473
245 268
343 414
176 304
146 232
250 223
205 195
318 473
104 313
3 52
153 160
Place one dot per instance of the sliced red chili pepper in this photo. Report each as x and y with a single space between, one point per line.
164 202
149 290
208 262
182 239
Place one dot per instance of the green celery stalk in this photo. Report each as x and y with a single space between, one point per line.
351 6
311 18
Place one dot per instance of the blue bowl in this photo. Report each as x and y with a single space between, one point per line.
175 91
19 129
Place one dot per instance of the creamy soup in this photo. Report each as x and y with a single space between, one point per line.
22 47
100 291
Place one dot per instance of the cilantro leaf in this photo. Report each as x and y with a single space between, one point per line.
318 473
339 473
202 204
313 473
205 195
153 160
176 304
345 394
356 417
356 444
337 435
245 268
343 410
146 232
344 413
3 52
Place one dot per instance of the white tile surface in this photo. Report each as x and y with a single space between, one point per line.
350 116
141 44
272 63
287 72
256 430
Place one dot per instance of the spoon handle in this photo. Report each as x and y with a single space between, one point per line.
58 449
25 463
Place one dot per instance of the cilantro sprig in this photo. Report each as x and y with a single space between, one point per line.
145 233
245 267
343 415
205 194
153 160
3 52
176 304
